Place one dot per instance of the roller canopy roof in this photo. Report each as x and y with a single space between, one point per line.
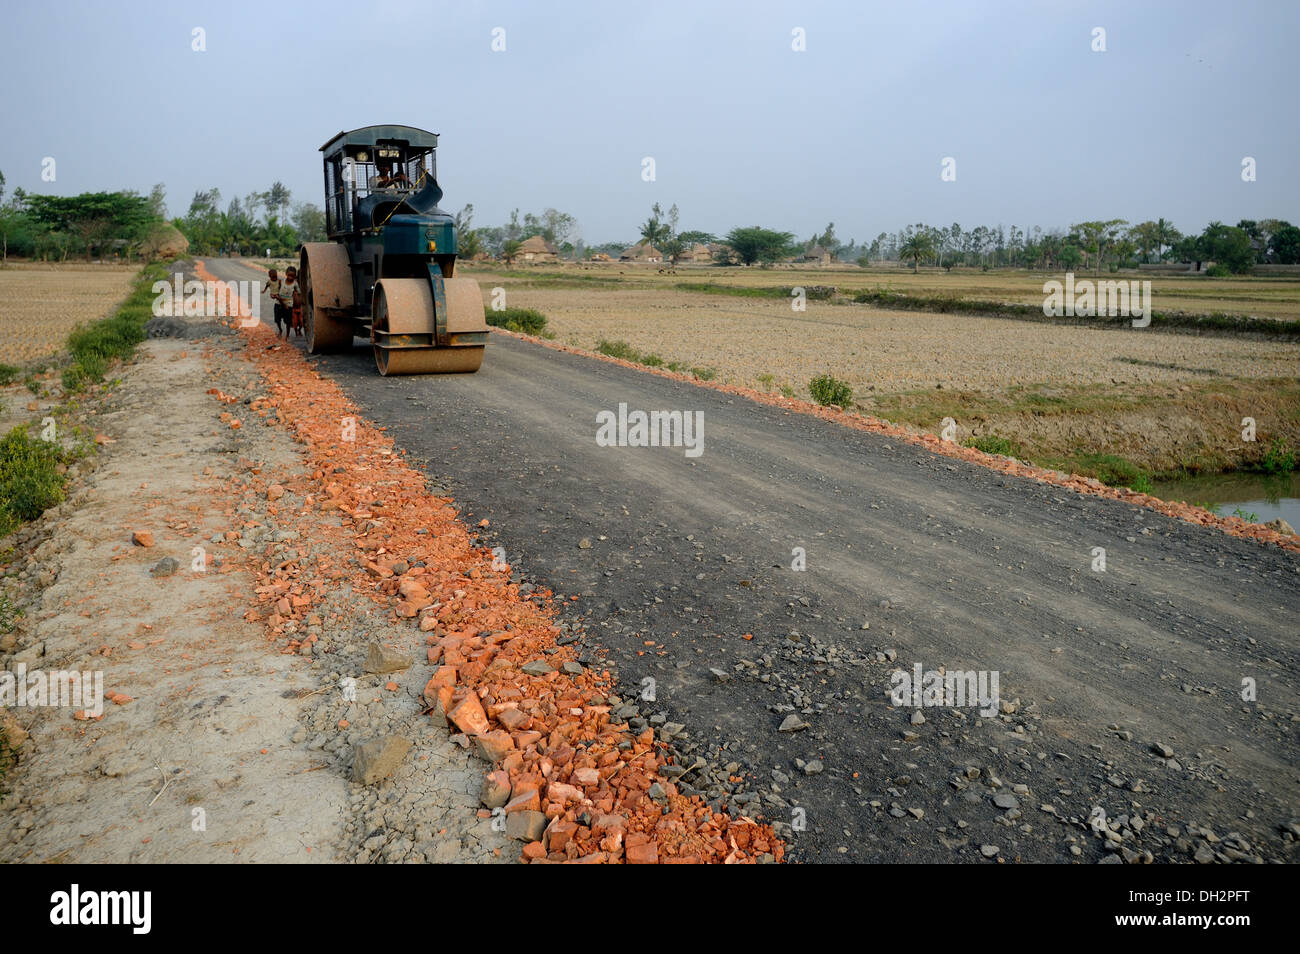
373 135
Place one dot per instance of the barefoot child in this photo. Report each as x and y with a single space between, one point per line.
273 289
288 292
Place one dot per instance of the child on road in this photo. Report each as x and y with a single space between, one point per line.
273 289
285 301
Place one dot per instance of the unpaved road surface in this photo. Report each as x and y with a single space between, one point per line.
224 748
682 572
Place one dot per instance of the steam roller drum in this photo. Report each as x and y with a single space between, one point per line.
404 333
326 282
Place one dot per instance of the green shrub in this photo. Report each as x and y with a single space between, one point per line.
74 379
30 482
618 349
523 320
1278 459
652 361
8 374
827 390
992 444
705 374
1218 271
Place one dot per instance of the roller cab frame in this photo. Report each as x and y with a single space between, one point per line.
387 271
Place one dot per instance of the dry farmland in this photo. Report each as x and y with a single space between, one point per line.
1264 296
1060 393
41 303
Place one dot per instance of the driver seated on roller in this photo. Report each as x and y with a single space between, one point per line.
385 178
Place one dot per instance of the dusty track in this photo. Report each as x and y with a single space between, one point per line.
949 564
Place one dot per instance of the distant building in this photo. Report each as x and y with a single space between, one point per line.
701 254
642 252
537 251
817 255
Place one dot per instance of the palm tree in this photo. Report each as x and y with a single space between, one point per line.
278 198
656 230
510 250
1165 234
917 246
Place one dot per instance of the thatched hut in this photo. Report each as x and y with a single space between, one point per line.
642 252
535 250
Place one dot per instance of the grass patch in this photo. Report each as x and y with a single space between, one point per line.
1278 459
526 321
30 482
735 291
811 292
618 349
1113 471
625 352
953 304
992 444
95 345
570 281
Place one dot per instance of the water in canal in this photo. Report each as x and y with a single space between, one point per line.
1268 497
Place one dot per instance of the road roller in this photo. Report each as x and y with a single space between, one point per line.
386 272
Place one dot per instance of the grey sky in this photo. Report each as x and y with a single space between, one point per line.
743 130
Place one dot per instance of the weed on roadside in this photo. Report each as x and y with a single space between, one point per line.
30 482
527 321
828 390
992 444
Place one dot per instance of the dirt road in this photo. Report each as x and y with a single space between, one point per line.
1124 693
215 745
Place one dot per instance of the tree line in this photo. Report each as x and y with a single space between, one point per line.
128 225
1093 245
258 222
1103 243
54 227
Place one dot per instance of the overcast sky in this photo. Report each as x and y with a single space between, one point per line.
743 129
